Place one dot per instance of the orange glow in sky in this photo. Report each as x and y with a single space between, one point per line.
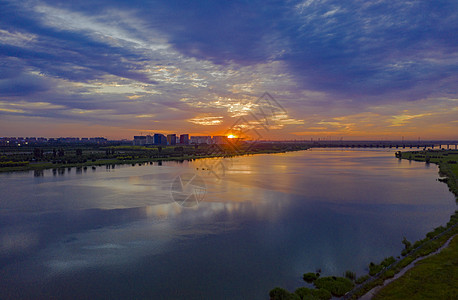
331 72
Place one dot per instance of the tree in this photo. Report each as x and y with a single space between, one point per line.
282 294
310 277
37 153
406 243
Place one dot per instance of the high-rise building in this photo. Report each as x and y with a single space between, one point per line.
201 140
159 139
184 139
171 139
139 140
149 140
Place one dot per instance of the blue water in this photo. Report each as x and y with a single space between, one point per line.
254 222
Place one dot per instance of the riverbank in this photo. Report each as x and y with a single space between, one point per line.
431 277
448 170
14 159
389 268
447 160
435 240
434 276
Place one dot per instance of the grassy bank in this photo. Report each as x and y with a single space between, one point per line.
433 241
435 277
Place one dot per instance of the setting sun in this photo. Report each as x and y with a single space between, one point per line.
231 136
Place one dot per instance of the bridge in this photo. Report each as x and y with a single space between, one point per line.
446 144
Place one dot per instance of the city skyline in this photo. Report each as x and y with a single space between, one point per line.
358 71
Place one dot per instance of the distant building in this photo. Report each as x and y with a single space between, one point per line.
139 140
98 140
149 140
201 140
220 139
69 140
159 139
171 139
184 139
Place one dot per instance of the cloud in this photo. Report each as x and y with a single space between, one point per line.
207 121
66 51
23 85
173 61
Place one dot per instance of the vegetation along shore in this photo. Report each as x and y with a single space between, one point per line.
432 278
38 158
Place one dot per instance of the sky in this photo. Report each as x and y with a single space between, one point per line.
332 69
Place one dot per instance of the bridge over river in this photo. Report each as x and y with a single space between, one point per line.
379 144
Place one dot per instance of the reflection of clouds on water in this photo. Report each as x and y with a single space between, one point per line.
290 212
17 239
133 233
104 246
108 246
163 227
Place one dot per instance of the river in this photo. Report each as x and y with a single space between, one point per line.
229 228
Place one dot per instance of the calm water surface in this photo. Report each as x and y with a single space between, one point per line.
262 221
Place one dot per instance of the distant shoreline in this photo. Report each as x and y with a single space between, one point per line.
132 155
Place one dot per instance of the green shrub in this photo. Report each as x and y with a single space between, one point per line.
350 275
313 294
361 279
338 286
389 274
405 261
407 244
388 261
435 232
322 294
310 277
278 294
374 269
305 293
418 244
282 294
404 252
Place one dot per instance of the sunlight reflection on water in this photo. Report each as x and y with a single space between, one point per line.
290 213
